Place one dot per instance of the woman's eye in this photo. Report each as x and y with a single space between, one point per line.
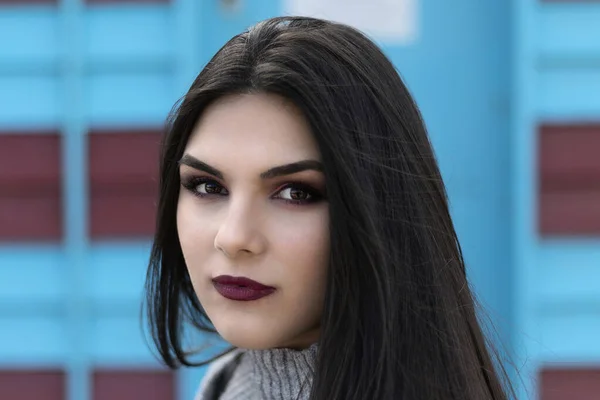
295 194
298 194
204 187
209 188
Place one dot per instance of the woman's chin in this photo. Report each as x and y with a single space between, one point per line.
259 339
247 341
245 335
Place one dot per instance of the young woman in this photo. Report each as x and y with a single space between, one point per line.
303 219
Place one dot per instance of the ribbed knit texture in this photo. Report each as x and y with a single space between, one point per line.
275 374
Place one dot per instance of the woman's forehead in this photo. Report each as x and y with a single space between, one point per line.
258 126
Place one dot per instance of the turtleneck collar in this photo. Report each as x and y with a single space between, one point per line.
282 374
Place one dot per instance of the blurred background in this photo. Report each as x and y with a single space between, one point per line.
510 91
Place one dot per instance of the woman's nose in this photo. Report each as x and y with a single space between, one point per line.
239 232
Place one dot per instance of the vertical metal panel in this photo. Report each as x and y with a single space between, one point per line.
75 199
523 196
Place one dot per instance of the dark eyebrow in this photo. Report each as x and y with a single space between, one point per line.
271 173
199 165
292 168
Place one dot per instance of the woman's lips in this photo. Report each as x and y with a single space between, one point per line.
240 288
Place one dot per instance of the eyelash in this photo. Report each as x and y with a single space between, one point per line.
191 184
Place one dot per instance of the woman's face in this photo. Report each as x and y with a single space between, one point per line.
253 207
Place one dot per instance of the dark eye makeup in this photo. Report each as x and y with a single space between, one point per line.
210 186
293 192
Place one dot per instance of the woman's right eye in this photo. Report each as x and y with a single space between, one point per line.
204 187
209 188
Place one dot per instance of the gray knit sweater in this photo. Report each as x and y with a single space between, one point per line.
275 374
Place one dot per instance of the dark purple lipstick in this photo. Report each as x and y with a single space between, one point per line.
240 288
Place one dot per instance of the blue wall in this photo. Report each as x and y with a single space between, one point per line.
484 74
557 281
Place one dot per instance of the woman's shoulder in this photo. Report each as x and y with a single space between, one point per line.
216 370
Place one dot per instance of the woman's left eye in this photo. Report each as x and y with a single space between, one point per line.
298 194
295 194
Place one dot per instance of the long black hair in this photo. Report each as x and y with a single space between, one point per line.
399 320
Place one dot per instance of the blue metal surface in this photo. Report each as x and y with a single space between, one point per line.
555 78
568 31
129 32
523 200
29 35
75 202
30 101
118 98
484 74
568 93
32 316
